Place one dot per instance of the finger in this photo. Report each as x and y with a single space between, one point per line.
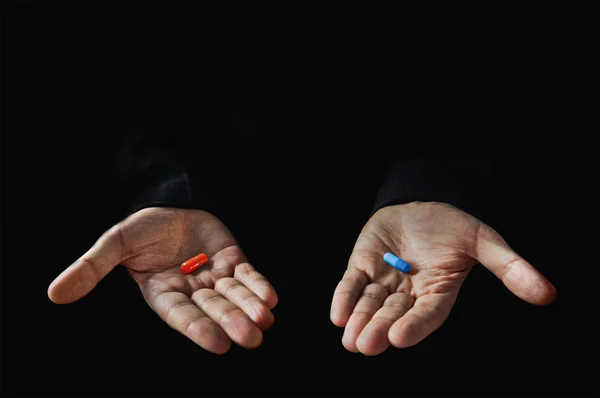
179 312
369 302
84 274
426 316
373 340
346 295
238 294
229 317
518 275
256 282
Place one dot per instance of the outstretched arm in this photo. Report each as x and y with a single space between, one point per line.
420 217
171 220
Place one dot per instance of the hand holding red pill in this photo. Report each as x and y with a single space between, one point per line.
194 263
214 307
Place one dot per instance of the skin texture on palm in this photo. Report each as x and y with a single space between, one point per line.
379 305
224 301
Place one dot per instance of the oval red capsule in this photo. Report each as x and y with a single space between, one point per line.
194 263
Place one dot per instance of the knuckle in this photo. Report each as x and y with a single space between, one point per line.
93 267
232 288
224 284
199 326
375 291
260 279
228 317
172 310
260 311
243 271
204 296
245 268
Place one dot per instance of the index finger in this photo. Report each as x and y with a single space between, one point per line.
346 295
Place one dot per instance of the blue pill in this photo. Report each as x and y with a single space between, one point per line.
397 262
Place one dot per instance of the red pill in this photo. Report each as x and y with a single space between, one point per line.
194 263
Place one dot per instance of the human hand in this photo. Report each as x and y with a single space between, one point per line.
225 300
379 305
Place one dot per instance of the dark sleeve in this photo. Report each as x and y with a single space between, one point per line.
472 168
151 167
168 184
427 153
195 154
422 179
454 169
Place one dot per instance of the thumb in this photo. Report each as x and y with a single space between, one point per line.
520 277
84 274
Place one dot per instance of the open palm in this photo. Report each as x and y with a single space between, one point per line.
379 305
225 300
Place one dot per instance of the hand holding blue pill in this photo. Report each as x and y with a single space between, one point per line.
406 270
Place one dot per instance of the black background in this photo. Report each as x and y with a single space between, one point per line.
521 77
